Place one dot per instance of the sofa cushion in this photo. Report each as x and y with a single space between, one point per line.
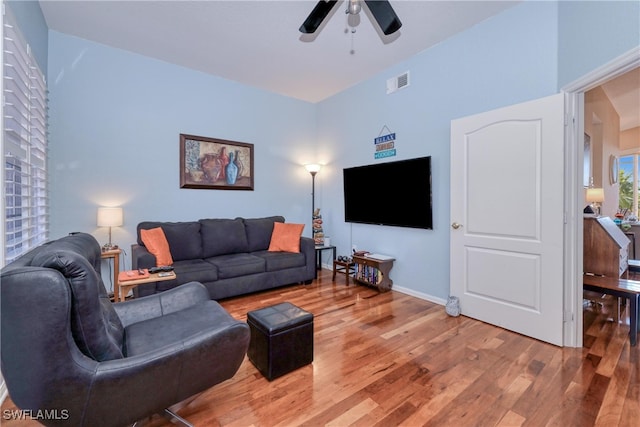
95 326
236 265
276 261
183 237
223 236
156 243
259 231
286 237
195 270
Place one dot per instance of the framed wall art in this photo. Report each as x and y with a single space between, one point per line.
217 164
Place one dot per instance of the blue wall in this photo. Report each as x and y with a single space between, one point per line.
527 52
593 33
507 59
115 121
115 118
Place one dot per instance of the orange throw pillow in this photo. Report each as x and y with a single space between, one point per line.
156 242
285 237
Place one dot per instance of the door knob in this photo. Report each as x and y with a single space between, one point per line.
455 225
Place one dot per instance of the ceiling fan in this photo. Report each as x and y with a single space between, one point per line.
381 11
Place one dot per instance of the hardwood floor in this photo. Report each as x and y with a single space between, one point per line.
391 359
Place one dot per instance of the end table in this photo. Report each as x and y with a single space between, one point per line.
115 254
319 249
127 285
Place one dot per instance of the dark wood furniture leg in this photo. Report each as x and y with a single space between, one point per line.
634 318
620 288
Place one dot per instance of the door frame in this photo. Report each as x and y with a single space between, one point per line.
574 151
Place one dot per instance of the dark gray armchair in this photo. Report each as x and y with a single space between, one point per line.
70 353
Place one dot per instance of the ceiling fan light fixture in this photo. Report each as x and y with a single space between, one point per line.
354 7
381 11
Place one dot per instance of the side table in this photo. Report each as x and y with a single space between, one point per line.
130 284
115 254
319 250
374 271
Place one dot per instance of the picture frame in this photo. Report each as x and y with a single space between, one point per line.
215 164
613 169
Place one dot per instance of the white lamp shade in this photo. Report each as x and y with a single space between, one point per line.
313 168
110 217
595 195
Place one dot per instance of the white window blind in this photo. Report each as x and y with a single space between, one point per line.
26 207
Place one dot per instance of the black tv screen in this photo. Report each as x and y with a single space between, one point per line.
393 193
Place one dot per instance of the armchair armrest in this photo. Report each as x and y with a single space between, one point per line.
156 305
173 372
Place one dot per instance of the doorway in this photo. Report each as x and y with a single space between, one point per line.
574 189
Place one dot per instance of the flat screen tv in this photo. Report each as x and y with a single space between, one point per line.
394 193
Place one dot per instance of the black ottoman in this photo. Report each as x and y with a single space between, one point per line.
281 339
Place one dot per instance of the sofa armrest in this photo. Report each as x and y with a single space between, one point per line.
141 257
152 306
308 248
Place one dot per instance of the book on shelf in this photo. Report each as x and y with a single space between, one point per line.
369 274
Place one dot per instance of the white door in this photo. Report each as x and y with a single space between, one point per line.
507 217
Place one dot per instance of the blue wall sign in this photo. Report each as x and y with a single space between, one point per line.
385 146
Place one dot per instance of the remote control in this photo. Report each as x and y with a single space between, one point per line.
158 269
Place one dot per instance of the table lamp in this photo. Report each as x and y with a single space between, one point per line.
109 217
595 196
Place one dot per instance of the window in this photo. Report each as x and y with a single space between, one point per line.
629 181
24 146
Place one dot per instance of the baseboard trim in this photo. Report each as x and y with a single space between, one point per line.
411 292
420 295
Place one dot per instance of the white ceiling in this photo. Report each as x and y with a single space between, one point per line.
258 43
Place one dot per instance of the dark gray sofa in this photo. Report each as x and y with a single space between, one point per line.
228 256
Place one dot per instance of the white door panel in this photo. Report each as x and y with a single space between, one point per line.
489 189
494 273
507 171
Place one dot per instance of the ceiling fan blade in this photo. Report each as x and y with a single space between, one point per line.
317 15
384 15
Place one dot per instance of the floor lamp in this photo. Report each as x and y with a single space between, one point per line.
313 169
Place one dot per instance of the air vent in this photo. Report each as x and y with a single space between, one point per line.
398 82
